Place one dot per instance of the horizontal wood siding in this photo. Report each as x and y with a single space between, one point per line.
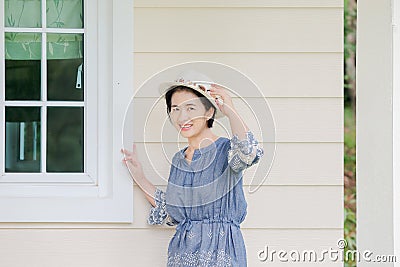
276 74
240 4
180 30
141 247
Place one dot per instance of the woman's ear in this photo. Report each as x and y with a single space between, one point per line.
209 113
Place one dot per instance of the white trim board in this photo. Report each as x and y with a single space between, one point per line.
374 128
396 126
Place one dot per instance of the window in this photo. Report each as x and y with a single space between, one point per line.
57 137
44 92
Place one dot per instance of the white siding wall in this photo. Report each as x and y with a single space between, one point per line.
292 49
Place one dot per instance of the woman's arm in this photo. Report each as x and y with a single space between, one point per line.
238 126
156 197
136 171
244 151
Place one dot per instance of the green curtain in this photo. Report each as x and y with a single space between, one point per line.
27 14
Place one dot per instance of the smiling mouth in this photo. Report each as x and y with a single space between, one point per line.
185 127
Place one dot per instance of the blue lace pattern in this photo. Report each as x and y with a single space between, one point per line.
244 153
158 214
206 258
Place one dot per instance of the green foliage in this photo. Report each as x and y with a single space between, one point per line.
350 17
350 220
350 129
349 21
350 234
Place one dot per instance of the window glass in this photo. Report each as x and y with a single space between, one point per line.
22 13
22 66
64 14
22 139
65 139
65 67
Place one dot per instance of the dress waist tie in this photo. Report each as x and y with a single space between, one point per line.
186 224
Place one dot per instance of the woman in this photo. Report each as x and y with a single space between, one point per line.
204 195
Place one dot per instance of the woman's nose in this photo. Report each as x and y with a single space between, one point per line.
183 117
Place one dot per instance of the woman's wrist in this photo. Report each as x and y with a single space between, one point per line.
231 113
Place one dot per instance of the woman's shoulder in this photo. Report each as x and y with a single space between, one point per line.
222 143
225 141
178 155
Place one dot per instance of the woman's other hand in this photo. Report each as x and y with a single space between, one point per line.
132 162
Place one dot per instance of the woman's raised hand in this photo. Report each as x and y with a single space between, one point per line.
132 162
226 107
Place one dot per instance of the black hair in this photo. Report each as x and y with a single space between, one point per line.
207 104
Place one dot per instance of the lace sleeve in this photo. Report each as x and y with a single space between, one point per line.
244 153
158 214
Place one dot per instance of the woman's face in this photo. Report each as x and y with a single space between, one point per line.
188 114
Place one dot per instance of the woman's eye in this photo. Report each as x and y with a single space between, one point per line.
190 108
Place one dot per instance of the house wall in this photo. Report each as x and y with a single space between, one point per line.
293 50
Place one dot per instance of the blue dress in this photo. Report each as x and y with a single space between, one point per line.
205 200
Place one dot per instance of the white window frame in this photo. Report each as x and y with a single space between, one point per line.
396 126
104 193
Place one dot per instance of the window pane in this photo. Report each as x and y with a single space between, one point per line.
22 79
22 153
22 66
64 14
65 79
65 139
23 46
64 45
65 67
22 13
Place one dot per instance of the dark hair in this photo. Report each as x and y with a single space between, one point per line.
207 104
